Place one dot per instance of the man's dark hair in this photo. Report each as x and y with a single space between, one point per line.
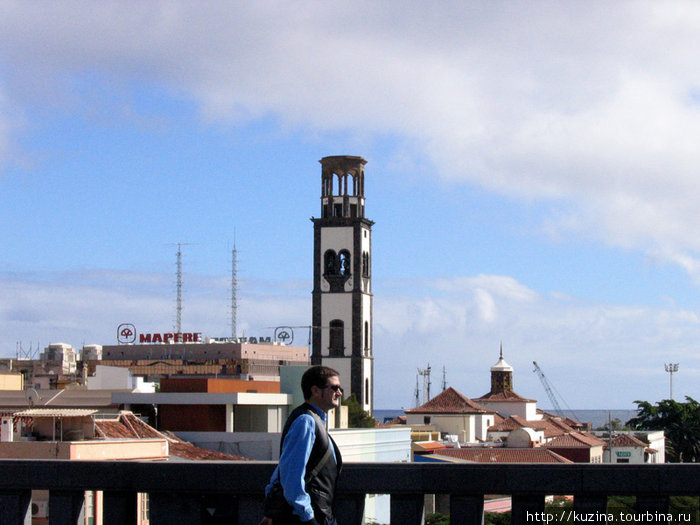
316 376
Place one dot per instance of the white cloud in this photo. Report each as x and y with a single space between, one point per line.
587 350
592 105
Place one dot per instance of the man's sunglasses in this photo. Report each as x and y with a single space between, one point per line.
335 388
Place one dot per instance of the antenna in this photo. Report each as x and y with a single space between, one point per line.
32 397
444 378
417 392
178 299
426 384
21 353
234 289
178 304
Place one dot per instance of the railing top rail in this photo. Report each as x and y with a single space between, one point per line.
250 477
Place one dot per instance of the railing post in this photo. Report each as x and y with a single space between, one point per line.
15 507
466 509
585 504
67 507
350 509
525 508
657 503
249 508
120 507
176 509
407 509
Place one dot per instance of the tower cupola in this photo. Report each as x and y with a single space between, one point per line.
342 186
501 375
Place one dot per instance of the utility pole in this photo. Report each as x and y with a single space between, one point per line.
671 368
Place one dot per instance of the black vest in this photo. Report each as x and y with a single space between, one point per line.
320 488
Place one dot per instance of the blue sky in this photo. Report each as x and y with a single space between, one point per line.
532 172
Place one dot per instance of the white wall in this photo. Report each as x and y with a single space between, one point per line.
461 425
374 445
263 446
117 378
526 410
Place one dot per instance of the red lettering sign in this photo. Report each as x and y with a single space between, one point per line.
183 337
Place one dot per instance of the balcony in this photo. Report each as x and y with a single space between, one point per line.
192 493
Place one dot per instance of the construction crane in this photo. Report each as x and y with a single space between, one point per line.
550 393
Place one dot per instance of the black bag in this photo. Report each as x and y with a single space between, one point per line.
275 506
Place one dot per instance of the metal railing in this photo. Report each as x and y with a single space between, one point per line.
193 493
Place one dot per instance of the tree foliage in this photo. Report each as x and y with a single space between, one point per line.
358 418
679 421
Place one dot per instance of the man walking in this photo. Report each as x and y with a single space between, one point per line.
302 486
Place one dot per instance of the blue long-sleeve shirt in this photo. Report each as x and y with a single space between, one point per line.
291 469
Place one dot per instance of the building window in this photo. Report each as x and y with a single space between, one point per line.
345 266
366 391
365 264
366 337
337 344
426 420
329 263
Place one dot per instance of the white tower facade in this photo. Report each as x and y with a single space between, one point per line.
342 294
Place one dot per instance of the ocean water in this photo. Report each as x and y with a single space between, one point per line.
597 418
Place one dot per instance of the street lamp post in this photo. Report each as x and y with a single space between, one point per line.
671 368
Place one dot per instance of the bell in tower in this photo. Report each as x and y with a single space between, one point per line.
342 293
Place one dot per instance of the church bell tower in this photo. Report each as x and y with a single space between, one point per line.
342 293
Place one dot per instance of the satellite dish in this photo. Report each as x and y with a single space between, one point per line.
32 397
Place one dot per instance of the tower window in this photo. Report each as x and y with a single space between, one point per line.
329 263
345 266
336 345
365 264
366 338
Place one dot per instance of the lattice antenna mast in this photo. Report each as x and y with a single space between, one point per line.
444 378
178 302
178 287
234 291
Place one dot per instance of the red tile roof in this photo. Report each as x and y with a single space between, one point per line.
429 446
626 440
567 420
128 426
450 402
504 455
550 427
504 396
575 440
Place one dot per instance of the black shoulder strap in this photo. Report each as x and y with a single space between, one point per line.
326 455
